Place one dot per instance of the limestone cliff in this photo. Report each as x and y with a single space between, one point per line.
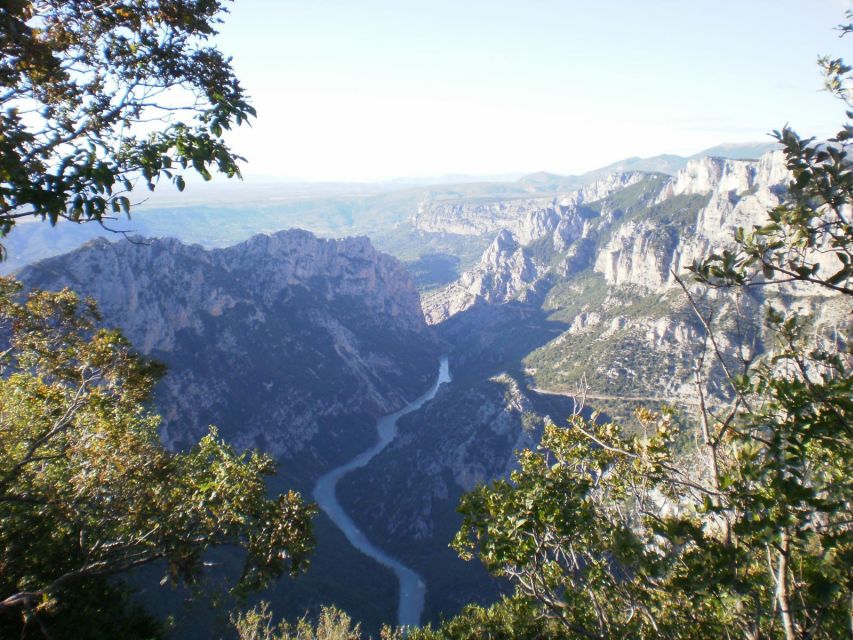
504 271
604 269
282 340
632 228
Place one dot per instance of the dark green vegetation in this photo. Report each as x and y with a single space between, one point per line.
77 80
623 364
410 510
87 490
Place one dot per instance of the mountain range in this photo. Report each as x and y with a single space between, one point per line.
221 215
288 343
545 297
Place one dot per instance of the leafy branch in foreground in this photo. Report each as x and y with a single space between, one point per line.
86 488
808 238
332 624
613 535
96 96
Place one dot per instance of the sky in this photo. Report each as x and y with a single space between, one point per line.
366 90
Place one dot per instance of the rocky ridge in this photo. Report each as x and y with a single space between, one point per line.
278 340
605 268
590 228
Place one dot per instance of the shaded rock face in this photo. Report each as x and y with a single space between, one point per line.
285 341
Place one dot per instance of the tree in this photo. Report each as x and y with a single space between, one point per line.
88 491
584 533
331 624
96 96
615 535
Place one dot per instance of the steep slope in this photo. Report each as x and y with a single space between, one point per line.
287 342
572 291
275 340
605 267
407 497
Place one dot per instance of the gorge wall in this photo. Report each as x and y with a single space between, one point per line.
573 290
282 341
602 260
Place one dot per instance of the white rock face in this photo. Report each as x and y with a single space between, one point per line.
504 272
584 322
740 194
639 253
723 175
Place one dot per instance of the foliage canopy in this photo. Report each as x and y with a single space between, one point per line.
96 96
86 488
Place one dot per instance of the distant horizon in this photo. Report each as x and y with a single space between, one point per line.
432 179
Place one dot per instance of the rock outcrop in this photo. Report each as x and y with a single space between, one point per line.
281 341
504 272
663 225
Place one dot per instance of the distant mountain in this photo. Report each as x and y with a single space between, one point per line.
738 150
220 215
666 163
449 179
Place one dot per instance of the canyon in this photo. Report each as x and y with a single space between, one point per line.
540 295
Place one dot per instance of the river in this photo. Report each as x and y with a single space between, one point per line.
412 585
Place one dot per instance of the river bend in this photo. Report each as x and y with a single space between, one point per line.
412 585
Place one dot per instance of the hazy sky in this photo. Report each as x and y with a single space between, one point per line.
369 89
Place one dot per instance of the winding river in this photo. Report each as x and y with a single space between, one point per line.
412 586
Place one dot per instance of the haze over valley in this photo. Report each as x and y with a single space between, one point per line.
446 321
298 345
